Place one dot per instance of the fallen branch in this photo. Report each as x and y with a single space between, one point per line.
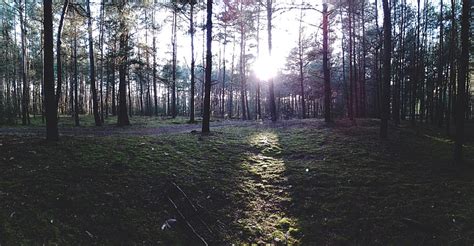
192 205
187 222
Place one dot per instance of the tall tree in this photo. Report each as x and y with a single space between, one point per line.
174 44
327 82
75 72
193 61
452 65
58 52
463 70
48 71
440 76
301 64
387 29
25 119
155 90
95 104
123 119
207 84
273 111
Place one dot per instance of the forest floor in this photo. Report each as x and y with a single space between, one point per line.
293 182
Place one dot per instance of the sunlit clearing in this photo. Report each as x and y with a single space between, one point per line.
265 68
267 142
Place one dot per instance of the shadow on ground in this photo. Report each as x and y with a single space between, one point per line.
295 182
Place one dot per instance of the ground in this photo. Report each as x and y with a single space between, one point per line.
297 182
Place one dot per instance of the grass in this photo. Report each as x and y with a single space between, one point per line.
300 182
88 121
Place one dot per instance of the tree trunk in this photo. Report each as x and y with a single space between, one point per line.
463 71
112 68
173 86
300 64
193 62
25 119
95 105
123 119
272 90
351 65
452 66
101 44
440 84
155 91
76 82
207 85
387 27
327 82
58 52
48 71
241 67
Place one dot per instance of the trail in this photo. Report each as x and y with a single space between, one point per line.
110 130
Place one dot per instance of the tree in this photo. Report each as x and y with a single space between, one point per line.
48 71
25 119
327 82
387 28
301 66
271 87
174 44
207 85
58 52
123 119
95 104
193 61
462 78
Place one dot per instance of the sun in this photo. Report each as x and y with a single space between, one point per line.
265 68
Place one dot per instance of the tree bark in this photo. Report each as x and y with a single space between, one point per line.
193 62
58 52
327 82
271 87
173 86
207 85
123 119
25 118
387 27
95 105
463 71
48 71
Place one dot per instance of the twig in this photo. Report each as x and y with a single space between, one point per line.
187 222
190 203
184 194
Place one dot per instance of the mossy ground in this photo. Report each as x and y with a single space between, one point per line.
295 182
88 121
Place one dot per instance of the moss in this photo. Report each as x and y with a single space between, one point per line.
303 184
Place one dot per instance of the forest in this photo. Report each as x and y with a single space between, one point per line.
236 122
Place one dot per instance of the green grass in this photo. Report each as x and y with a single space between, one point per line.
88 121
303 183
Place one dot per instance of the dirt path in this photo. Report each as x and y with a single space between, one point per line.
114 130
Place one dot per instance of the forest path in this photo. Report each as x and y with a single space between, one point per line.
144 130
134 130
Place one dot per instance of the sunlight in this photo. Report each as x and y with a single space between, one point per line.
265 68
266 187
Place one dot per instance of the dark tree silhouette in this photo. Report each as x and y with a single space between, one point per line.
207 84
387 29
463 70
48 70
95 104
327 81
